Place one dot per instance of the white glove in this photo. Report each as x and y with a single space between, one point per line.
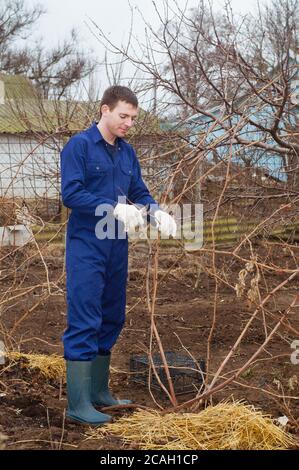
129 215
166 224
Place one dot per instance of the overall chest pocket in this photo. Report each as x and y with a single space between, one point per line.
96 171
126 175
98 178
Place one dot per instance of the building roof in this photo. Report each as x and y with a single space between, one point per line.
16 87
29 116
23 111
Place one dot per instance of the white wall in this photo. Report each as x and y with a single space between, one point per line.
28 169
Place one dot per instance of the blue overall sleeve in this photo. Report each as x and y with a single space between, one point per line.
73 168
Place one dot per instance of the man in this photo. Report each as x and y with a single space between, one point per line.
99 168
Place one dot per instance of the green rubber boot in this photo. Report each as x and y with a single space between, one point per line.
100 394
79 394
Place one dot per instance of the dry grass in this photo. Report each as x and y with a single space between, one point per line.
2 441
224 426
51 367
7 211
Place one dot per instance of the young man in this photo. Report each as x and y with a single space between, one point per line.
98 168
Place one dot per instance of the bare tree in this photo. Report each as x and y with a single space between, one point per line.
53 71
227 82
16 21
234 73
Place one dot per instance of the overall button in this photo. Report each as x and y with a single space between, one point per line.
96 169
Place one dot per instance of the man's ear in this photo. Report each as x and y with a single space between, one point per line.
104 109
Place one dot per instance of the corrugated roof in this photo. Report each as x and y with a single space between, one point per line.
25 112
17 86
43 116
67 117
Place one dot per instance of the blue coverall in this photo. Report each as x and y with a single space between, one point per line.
96 269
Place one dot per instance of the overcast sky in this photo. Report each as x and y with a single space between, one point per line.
113 16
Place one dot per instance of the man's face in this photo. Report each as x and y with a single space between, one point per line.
119 120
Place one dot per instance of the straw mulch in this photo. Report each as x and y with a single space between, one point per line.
50 367
2 441
224 426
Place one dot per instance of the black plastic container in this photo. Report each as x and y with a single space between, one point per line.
187 374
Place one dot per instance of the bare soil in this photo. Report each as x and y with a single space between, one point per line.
32 408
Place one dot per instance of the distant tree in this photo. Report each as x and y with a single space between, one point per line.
236 73
54 71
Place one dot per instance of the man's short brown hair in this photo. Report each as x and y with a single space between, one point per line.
117 93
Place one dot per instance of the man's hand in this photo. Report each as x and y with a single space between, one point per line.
129 215
166 224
